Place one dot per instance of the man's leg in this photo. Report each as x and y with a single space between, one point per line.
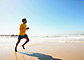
27 40
17 44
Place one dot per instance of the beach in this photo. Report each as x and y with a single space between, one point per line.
43 48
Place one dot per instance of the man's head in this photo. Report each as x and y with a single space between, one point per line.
24 20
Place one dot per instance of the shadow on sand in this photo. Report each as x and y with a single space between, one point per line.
40 56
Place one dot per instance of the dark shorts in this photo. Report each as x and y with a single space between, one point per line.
21 37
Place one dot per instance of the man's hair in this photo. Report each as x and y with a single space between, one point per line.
23 19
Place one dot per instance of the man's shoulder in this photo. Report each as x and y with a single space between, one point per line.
22 24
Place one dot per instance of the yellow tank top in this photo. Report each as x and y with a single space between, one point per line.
22 29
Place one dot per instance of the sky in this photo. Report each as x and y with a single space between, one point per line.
44 17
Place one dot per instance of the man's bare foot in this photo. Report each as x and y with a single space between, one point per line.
15 50
23 46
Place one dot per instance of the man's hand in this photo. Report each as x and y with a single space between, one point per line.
27 28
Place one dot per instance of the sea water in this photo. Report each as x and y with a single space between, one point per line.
41 39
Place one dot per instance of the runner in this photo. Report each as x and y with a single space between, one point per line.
22 34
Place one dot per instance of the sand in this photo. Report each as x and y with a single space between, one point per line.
43 49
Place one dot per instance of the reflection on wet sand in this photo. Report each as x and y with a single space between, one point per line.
17 56
23 57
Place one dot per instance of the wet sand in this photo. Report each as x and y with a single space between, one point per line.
42 50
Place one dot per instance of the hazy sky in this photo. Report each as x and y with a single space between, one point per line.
45 17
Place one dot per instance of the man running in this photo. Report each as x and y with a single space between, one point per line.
22 34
